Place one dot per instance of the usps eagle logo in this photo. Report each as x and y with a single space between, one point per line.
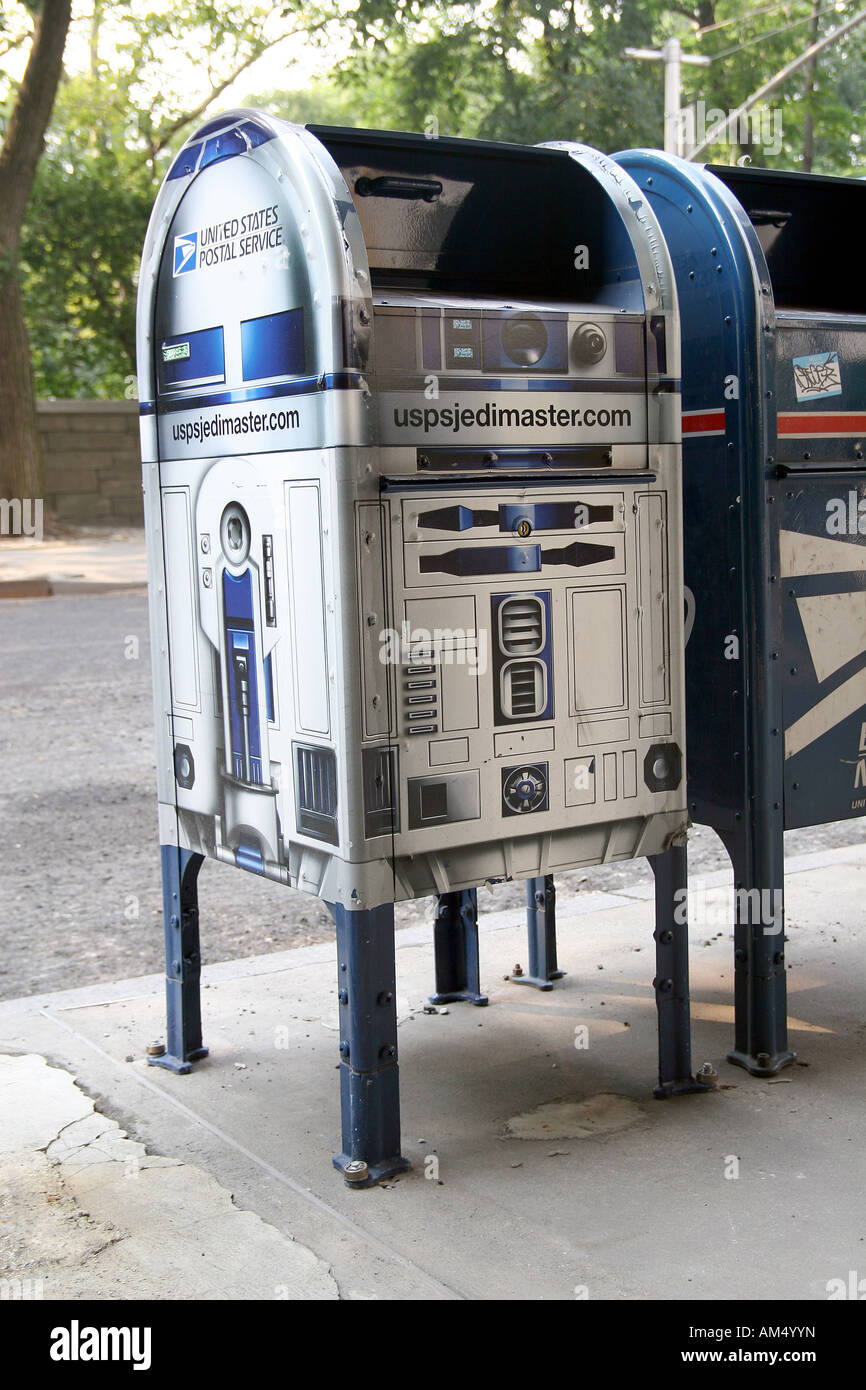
185 253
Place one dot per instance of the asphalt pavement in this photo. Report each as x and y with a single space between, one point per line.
80 894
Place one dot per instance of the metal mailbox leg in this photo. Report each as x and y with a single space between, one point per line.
541 933
182 960
369 1077
455 943
672 974
760 986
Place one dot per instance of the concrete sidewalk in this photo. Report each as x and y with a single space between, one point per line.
94 560
541 1168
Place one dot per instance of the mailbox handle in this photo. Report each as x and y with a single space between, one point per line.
786 470
769 217
398 186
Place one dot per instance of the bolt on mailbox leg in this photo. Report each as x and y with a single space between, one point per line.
182 960
541 933
672 975
455 944
760 985
369 1077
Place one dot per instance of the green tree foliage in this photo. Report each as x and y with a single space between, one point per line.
751 44
523 70
528 71
507 70
112 135
82 243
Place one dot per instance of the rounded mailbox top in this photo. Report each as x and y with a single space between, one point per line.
254 272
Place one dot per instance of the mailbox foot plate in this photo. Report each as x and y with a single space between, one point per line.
376 1172
459 997
688 1086
179 1065
767 1066
536 981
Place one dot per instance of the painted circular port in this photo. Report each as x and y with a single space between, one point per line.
524 339
235 534
588 345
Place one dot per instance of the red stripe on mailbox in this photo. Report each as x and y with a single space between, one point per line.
704 422
814 424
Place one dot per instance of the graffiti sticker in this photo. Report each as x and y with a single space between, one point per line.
817 375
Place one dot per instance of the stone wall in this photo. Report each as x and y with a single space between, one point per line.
91 462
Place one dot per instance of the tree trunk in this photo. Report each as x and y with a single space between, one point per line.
809 94
20 453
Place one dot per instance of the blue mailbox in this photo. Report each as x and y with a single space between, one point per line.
774 518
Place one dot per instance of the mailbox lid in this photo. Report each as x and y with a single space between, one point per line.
481 217
810 230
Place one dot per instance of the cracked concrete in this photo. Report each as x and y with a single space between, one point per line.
90 1213
123 1182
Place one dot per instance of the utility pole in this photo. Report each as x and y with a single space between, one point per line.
672 56
809 92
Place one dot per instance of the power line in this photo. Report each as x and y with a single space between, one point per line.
775 81
771 33
672 56
735 19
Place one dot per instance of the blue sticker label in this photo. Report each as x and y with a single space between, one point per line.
817 375
185 253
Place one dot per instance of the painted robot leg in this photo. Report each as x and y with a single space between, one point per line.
369 1077
182 960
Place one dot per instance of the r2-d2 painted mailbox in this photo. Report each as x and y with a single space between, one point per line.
411 433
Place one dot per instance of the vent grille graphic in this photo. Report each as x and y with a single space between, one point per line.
523 689
316 792
521 634
380 791
421 695
521 626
